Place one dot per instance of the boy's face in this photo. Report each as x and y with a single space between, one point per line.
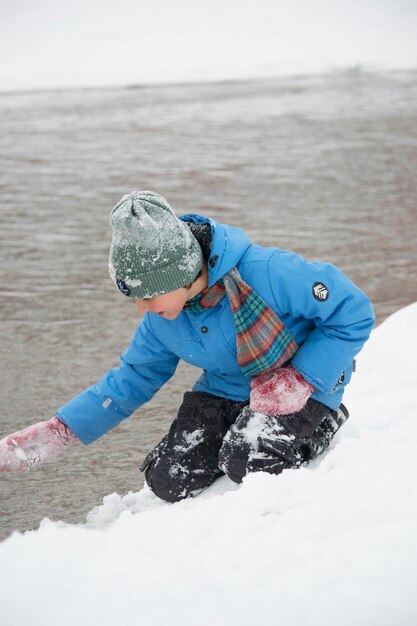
168 305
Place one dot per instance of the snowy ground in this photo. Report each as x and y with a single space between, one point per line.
333 543
56 43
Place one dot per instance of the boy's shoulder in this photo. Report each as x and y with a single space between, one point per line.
257 263
268 255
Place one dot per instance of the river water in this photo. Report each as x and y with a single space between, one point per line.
323 165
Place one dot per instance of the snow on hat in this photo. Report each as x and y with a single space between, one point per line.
152 251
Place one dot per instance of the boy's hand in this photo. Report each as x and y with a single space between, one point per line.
280 393
38 443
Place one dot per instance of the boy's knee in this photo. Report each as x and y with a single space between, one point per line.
239 456
233 460
162 481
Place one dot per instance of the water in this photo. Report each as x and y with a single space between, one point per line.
324 165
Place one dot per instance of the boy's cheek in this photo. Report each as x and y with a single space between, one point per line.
141 308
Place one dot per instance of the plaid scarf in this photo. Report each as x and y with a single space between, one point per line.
263 342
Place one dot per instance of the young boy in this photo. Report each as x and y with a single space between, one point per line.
274 335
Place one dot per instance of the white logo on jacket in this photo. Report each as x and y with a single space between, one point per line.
320 292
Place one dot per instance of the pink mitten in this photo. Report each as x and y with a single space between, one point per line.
38 443
280 393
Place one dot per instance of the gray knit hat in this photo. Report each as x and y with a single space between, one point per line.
152 251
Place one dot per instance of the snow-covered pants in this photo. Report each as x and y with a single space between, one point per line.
213 436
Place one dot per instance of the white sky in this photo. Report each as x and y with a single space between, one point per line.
47 43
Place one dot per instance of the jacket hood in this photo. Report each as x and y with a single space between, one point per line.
228 246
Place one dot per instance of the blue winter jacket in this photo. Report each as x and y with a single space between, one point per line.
328 316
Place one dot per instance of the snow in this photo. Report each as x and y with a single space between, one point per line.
55 43
331 543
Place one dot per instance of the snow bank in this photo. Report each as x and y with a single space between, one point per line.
333 543
55 43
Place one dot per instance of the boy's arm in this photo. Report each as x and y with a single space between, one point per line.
341 315
144 367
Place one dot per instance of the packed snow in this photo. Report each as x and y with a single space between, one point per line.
331 543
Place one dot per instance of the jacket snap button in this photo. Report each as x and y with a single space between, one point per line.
204 329
213 260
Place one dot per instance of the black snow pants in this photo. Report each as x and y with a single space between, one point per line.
213 436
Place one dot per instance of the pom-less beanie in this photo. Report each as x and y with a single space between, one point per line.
152 251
